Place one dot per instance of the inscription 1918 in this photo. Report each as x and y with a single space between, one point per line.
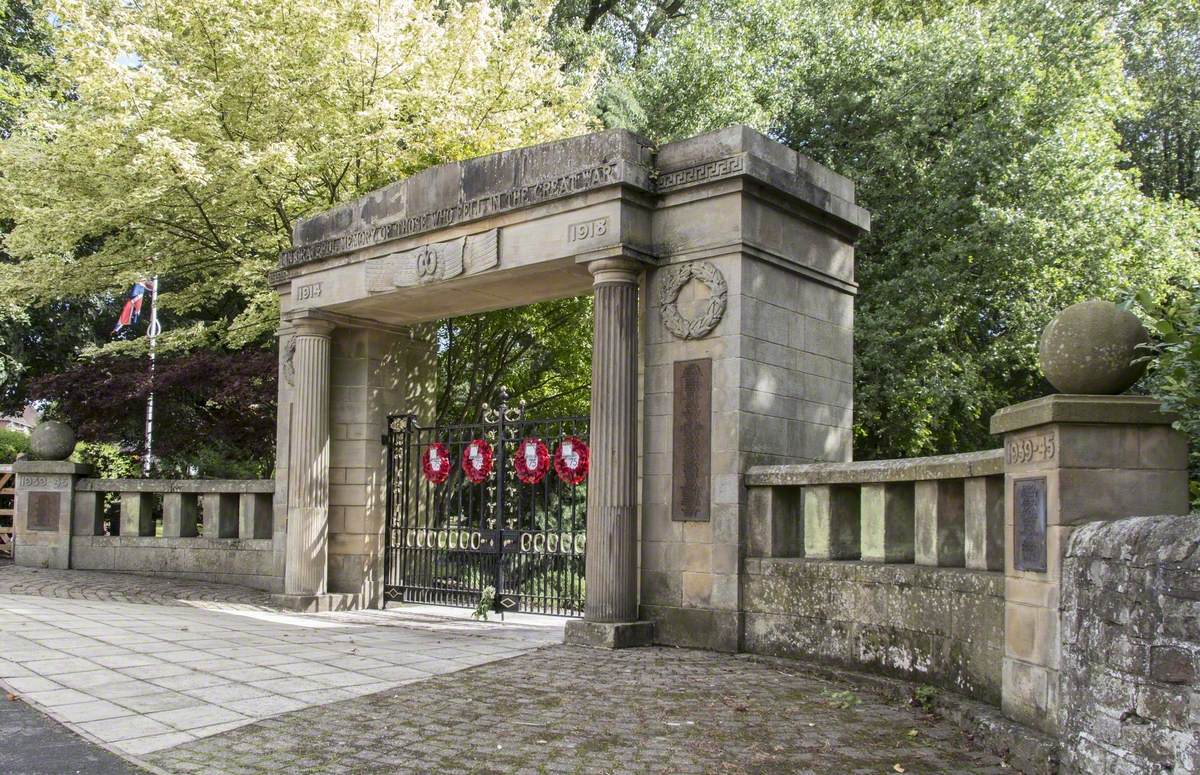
690 456
1029 510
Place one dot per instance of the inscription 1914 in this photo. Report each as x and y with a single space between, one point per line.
1029 509
690 456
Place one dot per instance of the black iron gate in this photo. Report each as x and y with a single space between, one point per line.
497 509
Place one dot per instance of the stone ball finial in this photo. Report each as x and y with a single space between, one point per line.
1090 348
52 440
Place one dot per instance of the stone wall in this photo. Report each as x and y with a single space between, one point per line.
942 626
244 561
1131 647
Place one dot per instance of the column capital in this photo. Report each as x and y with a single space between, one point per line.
309 323
620 270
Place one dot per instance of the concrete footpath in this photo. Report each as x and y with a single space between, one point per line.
138 677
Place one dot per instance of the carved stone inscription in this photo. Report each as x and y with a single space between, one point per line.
521 196
692 442
1037 447
1029 516
43 514
585 230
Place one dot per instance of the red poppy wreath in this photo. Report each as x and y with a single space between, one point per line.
477 460
532 461
571 460
435 463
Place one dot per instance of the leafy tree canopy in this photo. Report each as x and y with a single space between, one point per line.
214 411
1162 55
983 141
198 131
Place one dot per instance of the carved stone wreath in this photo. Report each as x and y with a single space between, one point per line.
672 280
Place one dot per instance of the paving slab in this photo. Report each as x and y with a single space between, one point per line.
137 668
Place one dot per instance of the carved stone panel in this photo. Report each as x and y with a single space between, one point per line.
672 280
1029 517
691 453
43 511
434 262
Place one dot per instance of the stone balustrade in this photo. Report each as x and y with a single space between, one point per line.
204 529
943 511
214 508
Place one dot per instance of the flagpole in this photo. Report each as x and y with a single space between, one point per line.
154 331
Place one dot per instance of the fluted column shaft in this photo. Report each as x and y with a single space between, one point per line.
306 561
612 590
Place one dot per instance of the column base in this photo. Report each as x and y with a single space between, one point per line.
609 635
311 604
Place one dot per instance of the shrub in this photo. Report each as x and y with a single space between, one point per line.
12 443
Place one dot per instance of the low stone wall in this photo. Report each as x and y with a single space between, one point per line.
249 562
1131 647
943 626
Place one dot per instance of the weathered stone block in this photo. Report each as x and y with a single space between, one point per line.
775 522
221 515
254 516
89 514
180 515
939 518
831 522
984 522
137 514
887 522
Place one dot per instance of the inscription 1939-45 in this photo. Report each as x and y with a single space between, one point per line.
1029 511
692 431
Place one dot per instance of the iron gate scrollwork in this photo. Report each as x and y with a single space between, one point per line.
448 541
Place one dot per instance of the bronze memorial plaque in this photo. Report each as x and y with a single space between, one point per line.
1029 509
43 511
690 463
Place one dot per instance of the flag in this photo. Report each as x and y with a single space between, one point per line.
133 308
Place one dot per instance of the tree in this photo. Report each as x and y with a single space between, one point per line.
983 140
1175 363
198 131
541 353
214 411
1162 55
24 55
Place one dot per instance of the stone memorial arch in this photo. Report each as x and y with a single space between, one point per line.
722 269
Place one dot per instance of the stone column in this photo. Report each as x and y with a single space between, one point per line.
612 589
306 563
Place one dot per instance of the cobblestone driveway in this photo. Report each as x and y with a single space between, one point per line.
124 588
571 710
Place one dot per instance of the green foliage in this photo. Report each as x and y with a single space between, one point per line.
842 700
925 698
541 353
1174 375
487 599
12 443
108 460
24 55
1162 55
984 143
199 131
